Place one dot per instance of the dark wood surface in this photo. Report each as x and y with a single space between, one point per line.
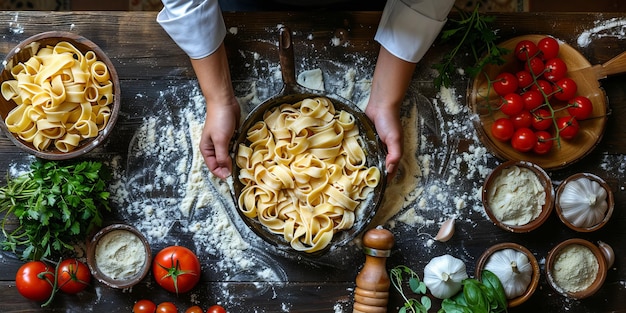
149 64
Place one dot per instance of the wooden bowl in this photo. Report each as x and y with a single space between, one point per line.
534 282
102 274
544 180
24 51
597 282
570 151
609 198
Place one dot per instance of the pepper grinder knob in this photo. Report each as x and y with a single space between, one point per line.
371 294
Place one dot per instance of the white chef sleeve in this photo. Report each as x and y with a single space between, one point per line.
408 28
197 26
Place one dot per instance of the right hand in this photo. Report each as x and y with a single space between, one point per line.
219 127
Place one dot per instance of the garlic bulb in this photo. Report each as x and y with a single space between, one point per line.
583 202
443 276
513 269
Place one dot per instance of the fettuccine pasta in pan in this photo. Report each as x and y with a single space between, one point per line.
304 172
62 95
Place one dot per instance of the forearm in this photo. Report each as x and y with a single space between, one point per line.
391 80
213 76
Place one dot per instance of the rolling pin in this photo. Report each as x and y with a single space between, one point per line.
372 283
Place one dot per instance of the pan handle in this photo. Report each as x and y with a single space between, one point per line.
616 65
285 54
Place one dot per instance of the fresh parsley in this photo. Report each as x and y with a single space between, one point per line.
56 204
472 34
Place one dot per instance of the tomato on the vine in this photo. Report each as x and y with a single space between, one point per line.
502 129
525 49
544 142
523 119
549 47
144 306
73 276
524 79
523 140
512 104
542 119
216 309
34 280
534 66
580 107
194 309
554 69
532 99
176 269
166 307
568 127
543 86
565 89
505 83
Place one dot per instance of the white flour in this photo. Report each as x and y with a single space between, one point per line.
615 27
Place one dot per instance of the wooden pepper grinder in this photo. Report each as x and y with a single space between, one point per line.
372 283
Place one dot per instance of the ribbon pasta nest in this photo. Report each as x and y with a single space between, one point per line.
304 172
62 95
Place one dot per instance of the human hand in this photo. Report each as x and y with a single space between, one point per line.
388 126
219 126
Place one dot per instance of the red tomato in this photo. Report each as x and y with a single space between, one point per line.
34 280
525 49
524 79
544 142
549 47
176 269
505 83
216 309
73 276
580 107
194 309
502 129
565 89
512 104
523 140
534 66
543 86
166 307
144 306
555 69
523 119
568 127
542 119
532 99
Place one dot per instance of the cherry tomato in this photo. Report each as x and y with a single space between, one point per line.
216 309
580 107
505 83
144 306
565 89
502 129
568 127
176 269
525 49
542 119
524 79
34 280
166 307
512 104
534 66
543 86
524 139
532 99
73 276
194 309
549 47
523 119
544 142
555 69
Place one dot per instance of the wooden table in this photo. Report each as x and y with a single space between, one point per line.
151 67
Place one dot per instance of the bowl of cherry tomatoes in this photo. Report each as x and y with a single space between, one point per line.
540 105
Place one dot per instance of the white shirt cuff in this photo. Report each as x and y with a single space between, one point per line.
408 33
197 28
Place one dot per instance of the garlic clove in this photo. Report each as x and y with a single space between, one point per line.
446 230
607 251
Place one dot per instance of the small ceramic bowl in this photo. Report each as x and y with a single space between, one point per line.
119 256
534 282
573 261
545 182
23 53
609 199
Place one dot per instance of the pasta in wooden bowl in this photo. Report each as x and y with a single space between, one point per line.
60 95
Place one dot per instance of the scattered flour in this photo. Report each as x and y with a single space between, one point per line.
615 27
